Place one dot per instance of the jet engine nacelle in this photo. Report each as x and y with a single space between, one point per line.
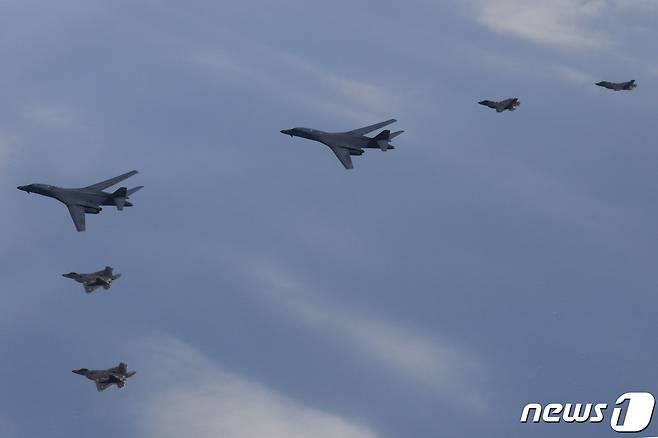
92 210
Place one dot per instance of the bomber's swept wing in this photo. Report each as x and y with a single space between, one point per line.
78 216
343 155
488 103
110 182
367 129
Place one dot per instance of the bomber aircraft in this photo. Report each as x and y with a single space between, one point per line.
346 144
87 200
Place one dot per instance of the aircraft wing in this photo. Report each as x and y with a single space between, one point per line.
488 103
367 129
102 386
110 182
78 216
343 155
89 288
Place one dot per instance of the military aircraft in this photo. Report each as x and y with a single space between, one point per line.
346 144
618 86
106 378
507 104
87 199
94 280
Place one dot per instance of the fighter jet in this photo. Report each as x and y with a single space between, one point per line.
87 199
94 280
618 86
507 104
106 378
346 144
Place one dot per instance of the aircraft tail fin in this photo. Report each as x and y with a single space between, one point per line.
394 134
381 140
119 197
109 270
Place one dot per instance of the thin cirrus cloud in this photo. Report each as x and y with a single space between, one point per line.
555 23
214 402
300 80
446 369
55 116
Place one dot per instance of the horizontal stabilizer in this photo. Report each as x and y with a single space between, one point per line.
394 134
134 189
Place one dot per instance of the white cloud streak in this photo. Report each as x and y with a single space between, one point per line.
443 367
556 23
57 116
215 403
300 80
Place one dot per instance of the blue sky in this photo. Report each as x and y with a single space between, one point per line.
489 261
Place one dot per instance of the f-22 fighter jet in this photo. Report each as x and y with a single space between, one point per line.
87 200
618 86
94 280
346 144
106 378
507 104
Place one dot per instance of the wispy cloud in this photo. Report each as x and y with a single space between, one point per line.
6 142
58 116
301 80
557 23
434 362
511 64
574 75
215 403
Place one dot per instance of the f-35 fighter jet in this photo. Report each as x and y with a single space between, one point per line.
618 86
507 104
346 144
106 378
87 199
94 280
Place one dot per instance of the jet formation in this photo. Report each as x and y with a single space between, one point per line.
106 378
618 86
87 200
349 143
94 280
508 104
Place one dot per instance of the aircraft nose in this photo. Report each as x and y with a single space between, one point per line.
287 132
77 372
23 188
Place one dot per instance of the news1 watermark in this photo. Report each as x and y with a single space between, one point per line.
632 412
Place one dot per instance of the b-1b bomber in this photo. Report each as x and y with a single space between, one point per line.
349 143
106 378
94 280
87 200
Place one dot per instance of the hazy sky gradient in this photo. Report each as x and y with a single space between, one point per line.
489 261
